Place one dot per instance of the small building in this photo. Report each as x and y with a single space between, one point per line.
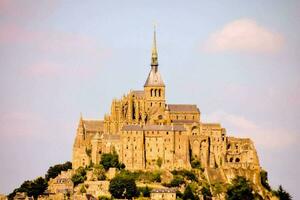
163 194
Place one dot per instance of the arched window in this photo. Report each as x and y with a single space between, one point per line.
159 92
151 92
237 160
231 160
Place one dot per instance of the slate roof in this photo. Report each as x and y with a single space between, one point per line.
183 108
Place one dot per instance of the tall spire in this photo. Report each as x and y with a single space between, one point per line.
154 62
154 77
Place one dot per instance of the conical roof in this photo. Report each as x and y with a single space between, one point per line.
154 77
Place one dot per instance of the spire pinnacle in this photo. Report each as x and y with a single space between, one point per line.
154 56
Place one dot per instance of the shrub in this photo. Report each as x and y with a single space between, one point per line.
145 191
79 176
56 170
264 180
159 162
99 172
282 194
240 189
123 187
206 193
196 164
176 181
188 194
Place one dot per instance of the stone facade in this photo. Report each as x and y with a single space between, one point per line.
145 130
163 194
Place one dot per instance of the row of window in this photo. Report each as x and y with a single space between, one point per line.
155 92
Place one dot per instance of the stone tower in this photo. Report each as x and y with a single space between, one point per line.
154 87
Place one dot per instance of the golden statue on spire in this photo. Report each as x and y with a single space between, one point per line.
154 61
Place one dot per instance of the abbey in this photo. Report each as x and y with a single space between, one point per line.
148 133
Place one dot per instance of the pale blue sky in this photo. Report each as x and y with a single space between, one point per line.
60 58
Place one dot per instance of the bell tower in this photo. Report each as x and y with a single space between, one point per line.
154 87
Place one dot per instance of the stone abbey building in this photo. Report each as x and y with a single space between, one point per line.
144 129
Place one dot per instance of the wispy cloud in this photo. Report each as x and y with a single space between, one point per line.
267 137
244 35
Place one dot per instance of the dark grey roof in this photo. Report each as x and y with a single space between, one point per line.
183 108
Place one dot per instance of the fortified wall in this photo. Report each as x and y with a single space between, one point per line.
144 129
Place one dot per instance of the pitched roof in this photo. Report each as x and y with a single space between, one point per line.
164 128
183 108
93 125
153 128
138 93
132 128
154 78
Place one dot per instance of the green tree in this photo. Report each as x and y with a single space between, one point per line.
55 170
145 191
282 194
176 181
264 179
188 194
206 192
31 188
240 189
110 160
196 164
79 176
123 187
99 172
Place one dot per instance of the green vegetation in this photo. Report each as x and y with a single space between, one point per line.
264 180
82 189
31 188
189 175
188 194
205 191
282 194
103 198
176 181
111 160
79 176
55 170
159 162
144 191
99 172
143 176
123 187
240 188
38 186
